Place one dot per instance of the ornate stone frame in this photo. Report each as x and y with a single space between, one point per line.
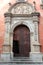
31 21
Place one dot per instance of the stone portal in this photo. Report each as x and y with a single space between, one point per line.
22 29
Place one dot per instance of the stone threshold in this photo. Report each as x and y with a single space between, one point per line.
29 62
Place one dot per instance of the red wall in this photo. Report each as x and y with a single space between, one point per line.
5 6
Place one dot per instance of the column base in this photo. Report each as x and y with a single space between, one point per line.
36 56
5 57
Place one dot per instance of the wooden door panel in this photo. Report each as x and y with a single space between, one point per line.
22 34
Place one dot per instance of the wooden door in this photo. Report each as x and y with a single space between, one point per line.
21 41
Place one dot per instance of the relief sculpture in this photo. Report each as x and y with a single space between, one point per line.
22 8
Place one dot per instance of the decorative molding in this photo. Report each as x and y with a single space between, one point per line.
21 8
36 14
21 15
21 0
37 44
8 14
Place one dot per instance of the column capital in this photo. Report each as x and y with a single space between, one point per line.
8 14
8 17
36 16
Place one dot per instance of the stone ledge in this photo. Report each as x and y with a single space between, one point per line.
36 14
22 15
36 45
7 14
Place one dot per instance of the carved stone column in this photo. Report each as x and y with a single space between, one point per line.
36 55
7 45
36 33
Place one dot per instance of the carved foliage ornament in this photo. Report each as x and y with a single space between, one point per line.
22 8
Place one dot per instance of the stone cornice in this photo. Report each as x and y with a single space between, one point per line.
8 14
22 15
17 15
36 14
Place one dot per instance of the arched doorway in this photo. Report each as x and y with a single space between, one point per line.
21 41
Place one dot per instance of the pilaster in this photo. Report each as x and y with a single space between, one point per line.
7 45
36 33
